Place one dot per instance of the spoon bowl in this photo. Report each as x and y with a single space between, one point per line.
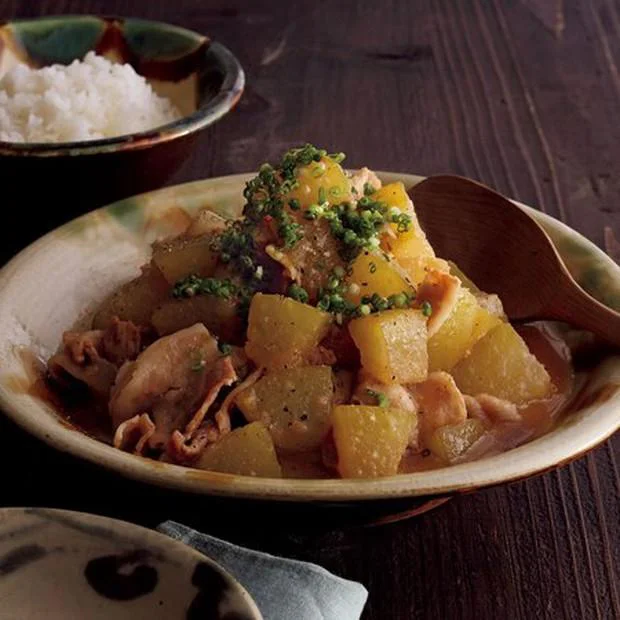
505 251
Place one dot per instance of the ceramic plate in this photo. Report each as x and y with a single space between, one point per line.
53 283
61 565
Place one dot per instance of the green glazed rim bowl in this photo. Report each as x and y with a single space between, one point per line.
58 280
203 78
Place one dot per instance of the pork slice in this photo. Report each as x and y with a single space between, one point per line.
169 373
185 451
133 434
176 379
121 341
361 177
93 357
491 409
398 396
219 375
80 360
222 415
83 347
441 291
440 403
187 446
96 373
170 413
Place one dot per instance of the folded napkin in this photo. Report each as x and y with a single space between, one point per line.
282 589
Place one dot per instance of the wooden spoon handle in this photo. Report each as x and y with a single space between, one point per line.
573 305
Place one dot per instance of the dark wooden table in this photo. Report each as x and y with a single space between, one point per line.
522 94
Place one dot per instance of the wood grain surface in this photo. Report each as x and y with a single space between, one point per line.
523 95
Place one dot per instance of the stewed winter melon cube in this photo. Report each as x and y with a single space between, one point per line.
220 316
392 345
184 256
500 364
246 451
294 404
411 243
375 272
135 300
282 331
320 181
466 324
489 301
370 441
418 267
452 441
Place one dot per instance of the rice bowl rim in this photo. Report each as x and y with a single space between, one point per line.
227 96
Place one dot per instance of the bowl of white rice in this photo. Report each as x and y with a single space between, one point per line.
89 99
93 109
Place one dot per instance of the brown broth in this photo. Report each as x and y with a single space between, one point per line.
554 354
75 408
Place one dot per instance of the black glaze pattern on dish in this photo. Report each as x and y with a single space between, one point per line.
19 557
122 577
212 590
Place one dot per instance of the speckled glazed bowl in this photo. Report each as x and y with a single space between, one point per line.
201 77
55 282
58 565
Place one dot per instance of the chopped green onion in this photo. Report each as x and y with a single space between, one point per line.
298 293
224 348
369 189
333 282
364 309
337 157
382 399
318 170
349 237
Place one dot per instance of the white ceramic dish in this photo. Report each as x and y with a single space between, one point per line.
54 282
61 565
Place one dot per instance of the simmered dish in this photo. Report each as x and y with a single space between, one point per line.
317 336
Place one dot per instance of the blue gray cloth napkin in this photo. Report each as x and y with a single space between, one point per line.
282 589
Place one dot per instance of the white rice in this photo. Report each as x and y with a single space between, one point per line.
85 100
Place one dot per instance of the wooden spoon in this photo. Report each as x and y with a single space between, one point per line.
505 251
